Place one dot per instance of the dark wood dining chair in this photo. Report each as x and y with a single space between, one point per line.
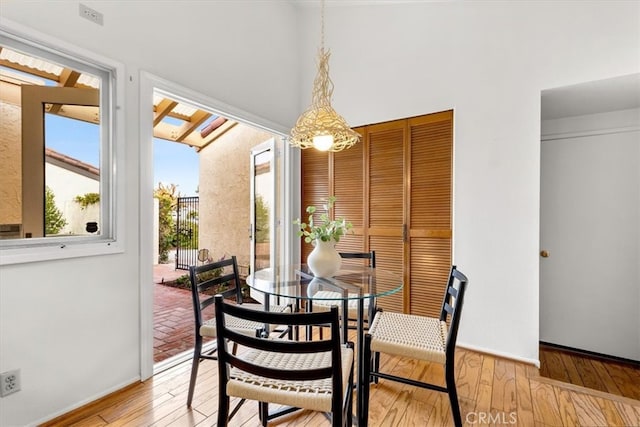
313 375
417 337
369 303
219 277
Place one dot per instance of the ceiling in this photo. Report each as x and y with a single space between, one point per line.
618 93
172 120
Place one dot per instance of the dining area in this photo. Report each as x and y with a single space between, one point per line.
307 346
489 389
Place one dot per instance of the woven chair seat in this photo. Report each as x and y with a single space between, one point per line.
409 335
324 300
313 395
241 326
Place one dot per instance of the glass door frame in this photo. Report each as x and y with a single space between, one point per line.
267 146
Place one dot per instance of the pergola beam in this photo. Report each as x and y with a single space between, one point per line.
163 109
196 120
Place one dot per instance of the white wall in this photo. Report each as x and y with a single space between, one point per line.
72 326
487 60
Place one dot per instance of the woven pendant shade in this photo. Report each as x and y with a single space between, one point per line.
320 126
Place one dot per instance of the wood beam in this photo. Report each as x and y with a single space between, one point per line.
68 78
170 133
196 120
163 109
224 128
84 113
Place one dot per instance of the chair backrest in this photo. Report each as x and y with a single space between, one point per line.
332 344
371 256
219 277
452 306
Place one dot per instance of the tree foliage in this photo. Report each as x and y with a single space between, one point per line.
87 199
54 220
262 220
168 199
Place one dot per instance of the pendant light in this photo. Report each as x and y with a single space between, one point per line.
320 126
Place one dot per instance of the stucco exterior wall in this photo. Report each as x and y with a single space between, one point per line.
66 185
225 192
10 164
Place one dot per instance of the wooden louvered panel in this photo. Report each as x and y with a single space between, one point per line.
386 176
401 171
348 177
430 262
389 258
315 186
431 169
351 243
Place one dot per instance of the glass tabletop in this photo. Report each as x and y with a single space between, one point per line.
350 283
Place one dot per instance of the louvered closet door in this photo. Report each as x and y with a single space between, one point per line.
430 193
315 186
385 207
400 173
347 169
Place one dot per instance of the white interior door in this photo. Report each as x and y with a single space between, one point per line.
590 221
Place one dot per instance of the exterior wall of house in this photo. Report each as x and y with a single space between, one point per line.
66 185
224 192
10 164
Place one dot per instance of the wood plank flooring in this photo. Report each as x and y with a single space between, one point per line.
492 391
596 373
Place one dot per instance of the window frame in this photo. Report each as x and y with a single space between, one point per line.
112 194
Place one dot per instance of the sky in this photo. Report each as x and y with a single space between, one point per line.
173 163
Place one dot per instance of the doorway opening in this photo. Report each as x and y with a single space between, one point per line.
199 219
590 234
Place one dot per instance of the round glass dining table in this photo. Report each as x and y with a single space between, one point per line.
352 283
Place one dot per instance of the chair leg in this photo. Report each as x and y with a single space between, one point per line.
223 409
197 350
363 418
376 365
453 395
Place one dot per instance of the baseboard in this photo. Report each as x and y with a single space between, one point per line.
585 390
534 362
607 357
87 401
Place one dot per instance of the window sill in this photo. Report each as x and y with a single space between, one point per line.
56 251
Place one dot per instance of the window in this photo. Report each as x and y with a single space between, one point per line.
58 151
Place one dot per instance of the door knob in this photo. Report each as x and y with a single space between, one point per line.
544 254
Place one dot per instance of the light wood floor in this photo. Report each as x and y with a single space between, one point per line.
592 372
493 391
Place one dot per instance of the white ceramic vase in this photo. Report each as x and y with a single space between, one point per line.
324 260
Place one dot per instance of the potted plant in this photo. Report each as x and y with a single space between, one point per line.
324 260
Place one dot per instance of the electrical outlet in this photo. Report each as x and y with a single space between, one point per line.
9 382
91 14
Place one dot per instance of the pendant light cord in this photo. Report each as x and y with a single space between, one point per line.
322 25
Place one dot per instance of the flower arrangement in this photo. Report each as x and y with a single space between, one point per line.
327 229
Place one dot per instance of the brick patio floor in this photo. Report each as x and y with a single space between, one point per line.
172 315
